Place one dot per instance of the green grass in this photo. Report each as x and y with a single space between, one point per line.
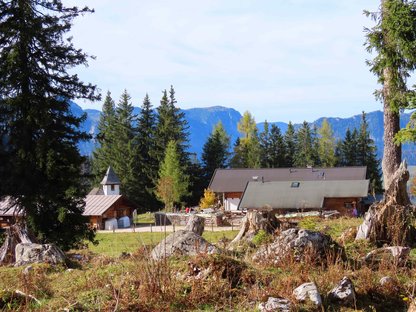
113 244
145 218
332 227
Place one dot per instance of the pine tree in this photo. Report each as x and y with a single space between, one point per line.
326 145
41 165
393 42
305 154
102 155
215 152
290 145
147 165
172 185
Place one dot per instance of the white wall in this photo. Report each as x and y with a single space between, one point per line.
231 204
108 191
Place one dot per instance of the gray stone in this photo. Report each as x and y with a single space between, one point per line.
27 253
344 292
298 243
182 243
308 291
397 254
364 229
275 305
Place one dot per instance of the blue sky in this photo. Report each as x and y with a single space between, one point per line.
279 59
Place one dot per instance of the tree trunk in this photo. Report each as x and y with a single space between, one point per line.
390 221
255 221
14 235
392 152
195 224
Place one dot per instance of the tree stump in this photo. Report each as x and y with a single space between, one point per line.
14 235
255 221
195 224
390 221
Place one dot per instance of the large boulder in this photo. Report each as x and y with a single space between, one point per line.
275 305
308 291
299 244
344 292
182 243
27 253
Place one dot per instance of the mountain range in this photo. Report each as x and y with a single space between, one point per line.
201 121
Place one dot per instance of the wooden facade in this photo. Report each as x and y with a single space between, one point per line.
121 208
344 205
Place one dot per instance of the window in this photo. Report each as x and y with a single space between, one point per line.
295 184
348 205
112 187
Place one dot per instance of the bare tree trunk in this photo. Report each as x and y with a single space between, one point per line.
14 235
255 221
392 154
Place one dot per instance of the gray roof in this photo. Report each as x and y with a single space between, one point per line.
96 205
8 208
110 178
235 180
309 194
96 191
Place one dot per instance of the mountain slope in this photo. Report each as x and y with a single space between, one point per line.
202 120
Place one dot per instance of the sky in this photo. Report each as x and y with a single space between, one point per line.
281 60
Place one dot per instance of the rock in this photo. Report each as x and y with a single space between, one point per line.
344 292
386 280
27 253
298 243
275 305
412 307
182 243
195 224
397 254
308 291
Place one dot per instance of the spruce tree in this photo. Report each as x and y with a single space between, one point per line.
147 165
215 152
102 155
239 155
304 155
172 184
264 145
326 145
349 149
125 160
290 145
41 164
277 148
367 155
171 125
272 149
